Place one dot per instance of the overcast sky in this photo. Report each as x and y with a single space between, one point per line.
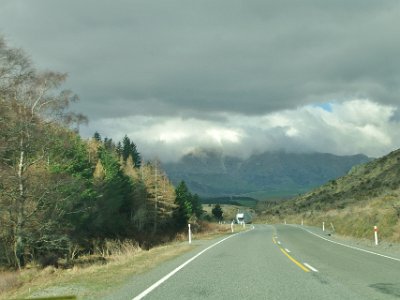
241 76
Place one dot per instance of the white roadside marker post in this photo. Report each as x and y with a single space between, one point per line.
285 221
302 222
376 235
323 226
232 226
190 234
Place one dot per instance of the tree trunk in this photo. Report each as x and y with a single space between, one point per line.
18 231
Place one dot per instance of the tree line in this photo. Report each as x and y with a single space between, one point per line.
61 195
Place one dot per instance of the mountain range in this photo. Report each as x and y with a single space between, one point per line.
210 173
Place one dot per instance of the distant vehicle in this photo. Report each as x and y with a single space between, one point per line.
243 217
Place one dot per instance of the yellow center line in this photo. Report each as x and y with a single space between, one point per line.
301 266
295 261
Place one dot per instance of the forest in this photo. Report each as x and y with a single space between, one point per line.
61 195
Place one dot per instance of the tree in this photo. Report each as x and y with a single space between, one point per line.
217 212
196 205
36 107
184 209
158 205
113 208
129 149
97 136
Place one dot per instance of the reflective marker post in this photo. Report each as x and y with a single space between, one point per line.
190 234
376 235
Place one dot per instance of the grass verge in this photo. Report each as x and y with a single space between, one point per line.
97 279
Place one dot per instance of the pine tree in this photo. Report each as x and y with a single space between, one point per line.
97 136
135 156
184 202
129 149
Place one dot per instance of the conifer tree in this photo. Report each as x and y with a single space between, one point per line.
183 200
97 136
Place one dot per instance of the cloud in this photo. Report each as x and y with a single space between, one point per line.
351 127
184 59
242 76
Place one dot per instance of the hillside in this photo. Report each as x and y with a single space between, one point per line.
363 182
368 195
212 174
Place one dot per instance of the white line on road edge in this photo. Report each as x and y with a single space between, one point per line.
310 267
351 247
287 250
166 277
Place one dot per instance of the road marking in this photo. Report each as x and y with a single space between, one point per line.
287 250
279 242
295 261
310 267
166 277
351 247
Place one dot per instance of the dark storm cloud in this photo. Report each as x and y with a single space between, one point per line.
243 76
181 57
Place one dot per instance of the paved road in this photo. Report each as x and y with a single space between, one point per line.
275 262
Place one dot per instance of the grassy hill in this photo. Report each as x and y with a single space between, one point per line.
368 195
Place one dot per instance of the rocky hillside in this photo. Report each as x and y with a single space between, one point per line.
210 173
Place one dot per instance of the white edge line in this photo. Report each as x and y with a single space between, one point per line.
351 247
310 267
287 250
166 277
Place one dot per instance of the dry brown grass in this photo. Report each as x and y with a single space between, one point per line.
9 281
83 280
356 220
94 277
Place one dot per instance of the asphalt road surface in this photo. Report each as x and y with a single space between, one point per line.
270 262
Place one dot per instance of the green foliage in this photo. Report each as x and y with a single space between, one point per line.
59 193
184 206
129 149
217 212
97 136
188 205
113 205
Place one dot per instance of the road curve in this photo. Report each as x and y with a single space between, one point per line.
271 262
